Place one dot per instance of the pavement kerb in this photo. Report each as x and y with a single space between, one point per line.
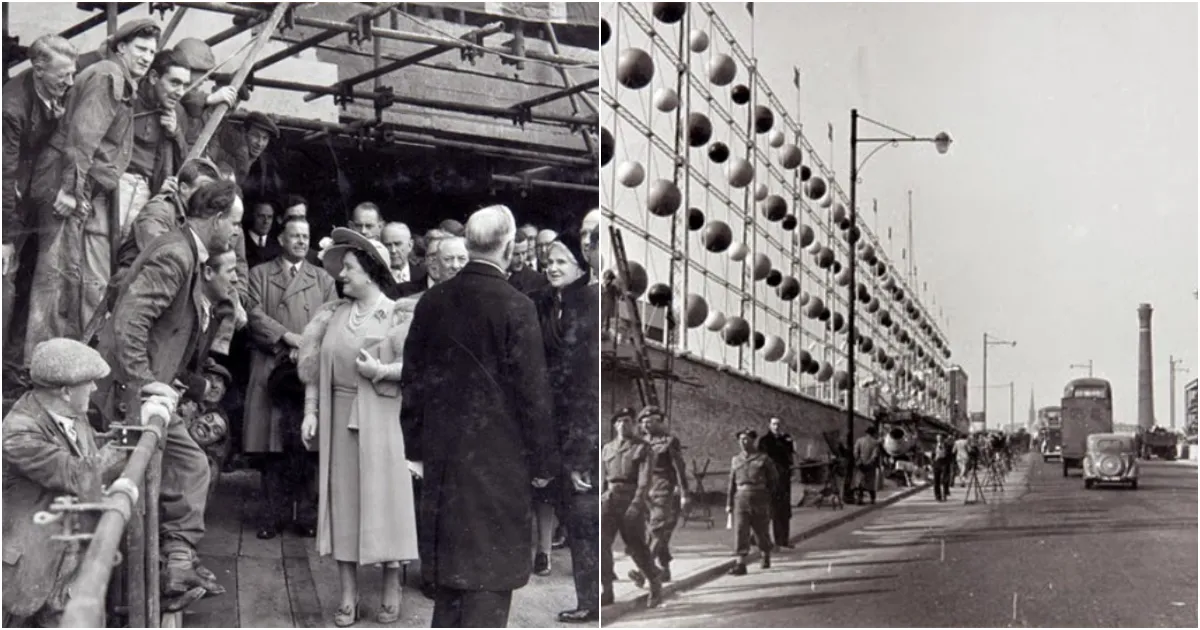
717 568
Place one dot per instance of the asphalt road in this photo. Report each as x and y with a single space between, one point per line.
1045 553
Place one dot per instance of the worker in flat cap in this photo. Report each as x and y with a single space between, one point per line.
78 170
668 493
50 450
752 480
623 505
241 146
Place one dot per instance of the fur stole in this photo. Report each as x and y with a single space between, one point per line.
308 363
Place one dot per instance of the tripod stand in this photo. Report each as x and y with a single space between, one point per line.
995 475
974 489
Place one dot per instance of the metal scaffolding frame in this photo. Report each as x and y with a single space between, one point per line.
362 28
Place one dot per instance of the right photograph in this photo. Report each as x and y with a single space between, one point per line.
889 295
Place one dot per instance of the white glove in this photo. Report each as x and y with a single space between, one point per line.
157 406
417 469
125 485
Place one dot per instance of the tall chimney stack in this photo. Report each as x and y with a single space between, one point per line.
1145 369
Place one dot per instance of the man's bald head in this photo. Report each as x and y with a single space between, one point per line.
490 233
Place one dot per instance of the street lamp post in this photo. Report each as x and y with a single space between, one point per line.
989 340
1080 366
942 142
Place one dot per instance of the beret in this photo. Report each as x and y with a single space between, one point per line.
649 411
260 120
127 30
624 413
196 54
61 362
750 432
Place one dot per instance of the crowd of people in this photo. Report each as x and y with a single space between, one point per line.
406 397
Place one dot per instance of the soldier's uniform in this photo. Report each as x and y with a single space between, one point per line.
779 449
752 480
623 510
665 491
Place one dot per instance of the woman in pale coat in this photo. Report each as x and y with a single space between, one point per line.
349 361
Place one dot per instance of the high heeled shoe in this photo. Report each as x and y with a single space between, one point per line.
345 617
387 614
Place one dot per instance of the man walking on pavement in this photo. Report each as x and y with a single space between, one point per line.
943 468
781 450
668 489
752 482
623 502
866 463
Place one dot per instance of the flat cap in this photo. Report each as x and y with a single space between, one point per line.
649 411
61 362
750 432
126 31
259 120
219 370
196 54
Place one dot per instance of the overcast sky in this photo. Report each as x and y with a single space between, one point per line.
1069 195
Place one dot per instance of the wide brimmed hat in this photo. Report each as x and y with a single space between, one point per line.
345 240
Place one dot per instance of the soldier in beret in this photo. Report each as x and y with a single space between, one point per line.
623 502
752 480
50 451
668 487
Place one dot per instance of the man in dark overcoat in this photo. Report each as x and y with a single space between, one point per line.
477 416
162 320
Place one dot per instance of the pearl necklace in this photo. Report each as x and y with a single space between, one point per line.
358 318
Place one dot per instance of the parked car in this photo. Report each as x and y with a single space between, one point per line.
1110 458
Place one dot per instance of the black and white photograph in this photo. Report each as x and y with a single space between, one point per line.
899 314
301 310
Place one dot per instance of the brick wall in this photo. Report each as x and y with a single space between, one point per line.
713 403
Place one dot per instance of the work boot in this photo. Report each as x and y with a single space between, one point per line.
655 597
606 597
638 579
766 560
211 585
664 574
739 568
179 570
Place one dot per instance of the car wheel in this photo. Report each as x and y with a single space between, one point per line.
1133 485
1087 484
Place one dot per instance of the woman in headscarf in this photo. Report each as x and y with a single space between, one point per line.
349 361
569 310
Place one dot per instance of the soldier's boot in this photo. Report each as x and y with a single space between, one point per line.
739 568
655 597
766 560
639 580
664 574
606 597
179 575
211 585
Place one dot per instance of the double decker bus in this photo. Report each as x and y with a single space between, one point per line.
1086 409
1049 422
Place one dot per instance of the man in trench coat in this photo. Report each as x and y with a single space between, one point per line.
477 416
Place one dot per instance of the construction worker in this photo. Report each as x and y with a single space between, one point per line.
623 501
668 488
752 481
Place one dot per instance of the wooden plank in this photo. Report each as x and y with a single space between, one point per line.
219 611
325 580
297 547
262 597
223 516
302 592
251 546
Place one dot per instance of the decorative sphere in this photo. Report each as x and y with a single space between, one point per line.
736 331
867 344
699 129
695 219
838 322
815 307
825 314
669 12
715 320
739 172
825 258
718 152
790 156
807 236
813 367
695 310
659 295
773 348
635 68
760 340
664 198
631 174
843 277
790 222
839 213
775 208
764 120
815 188
638 280
868 251
841 380
607 145
873 305
605 31
826 202
698 41
853 234
774 278
760 192
717 236
789 288
803 357
665 99
721 69
885 318
804 298
824 372
777 139
837 266
889 364
805 173
880 355
740 94
762 266
843 225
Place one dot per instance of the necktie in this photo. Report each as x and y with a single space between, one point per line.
295 270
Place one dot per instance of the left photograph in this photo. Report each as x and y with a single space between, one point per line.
300 314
